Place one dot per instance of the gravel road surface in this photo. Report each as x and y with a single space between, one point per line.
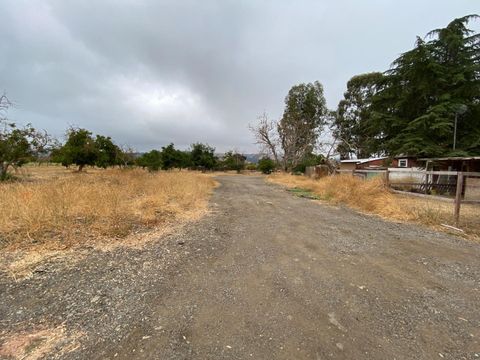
266 275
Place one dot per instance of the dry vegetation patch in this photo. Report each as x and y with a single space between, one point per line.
371 196
38 343
67 209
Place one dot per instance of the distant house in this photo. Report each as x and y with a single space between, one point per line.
457 163
412 163
377 163
405 167
408 169
405 162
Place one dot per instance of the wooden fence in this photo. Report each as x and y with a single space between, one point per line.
454 186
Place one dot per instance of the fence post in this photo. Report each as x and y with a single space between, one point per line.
387 179
426 183
458 197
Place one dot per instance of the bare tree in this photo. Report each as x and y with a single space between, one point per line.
5 103
328 141
125 156
265 132
43 144
327 146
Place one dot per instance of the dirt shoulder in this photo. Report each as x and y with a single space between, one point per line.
265 275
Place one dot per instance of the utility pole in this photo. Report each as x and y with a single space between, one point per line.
455 131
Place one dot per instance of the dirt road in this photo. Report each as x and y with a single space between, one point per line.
266 276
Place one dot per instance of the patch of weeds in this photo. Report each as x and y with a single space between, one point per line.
327 196
7 177
304 193
34 343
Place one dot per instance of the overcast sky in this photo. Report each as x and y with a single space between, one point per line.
148 73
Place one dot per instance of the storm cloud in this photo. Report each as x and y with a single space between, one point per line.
149 73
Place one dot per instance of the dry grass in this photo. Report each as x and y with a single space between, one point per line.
38 343
372 197
57 208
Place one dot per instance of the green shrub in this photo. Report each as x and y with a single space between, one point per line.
309 160
266 165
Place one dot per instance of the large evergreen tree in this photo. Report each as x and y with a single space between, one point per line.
427 88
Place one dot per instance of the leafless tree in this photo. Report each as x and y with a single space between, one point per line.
5 103
328 143
265 132
42 146
329 139
125 155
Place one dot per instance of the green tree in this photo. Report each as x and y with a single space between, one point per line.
309 160
419 98
79 149
173 158
185 160
266 165
203 157
233 161
18 145
351 129
151 160
107 152
56 155
302 121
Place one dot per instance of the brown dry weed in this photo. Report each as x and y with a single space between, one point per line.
58 209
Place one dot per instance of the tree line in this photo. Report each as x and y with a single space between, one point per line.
427 104
19 145
82 149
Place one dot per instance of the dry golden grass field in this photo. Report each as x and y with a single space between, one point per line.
372 197
55 208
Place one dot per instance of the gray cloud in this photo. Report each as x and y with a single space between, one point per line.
152 72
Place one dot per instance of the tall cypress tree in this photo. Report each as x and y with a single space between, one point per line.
427 88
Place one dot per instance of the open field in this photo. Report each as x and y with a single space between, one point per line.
372 197
56 208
